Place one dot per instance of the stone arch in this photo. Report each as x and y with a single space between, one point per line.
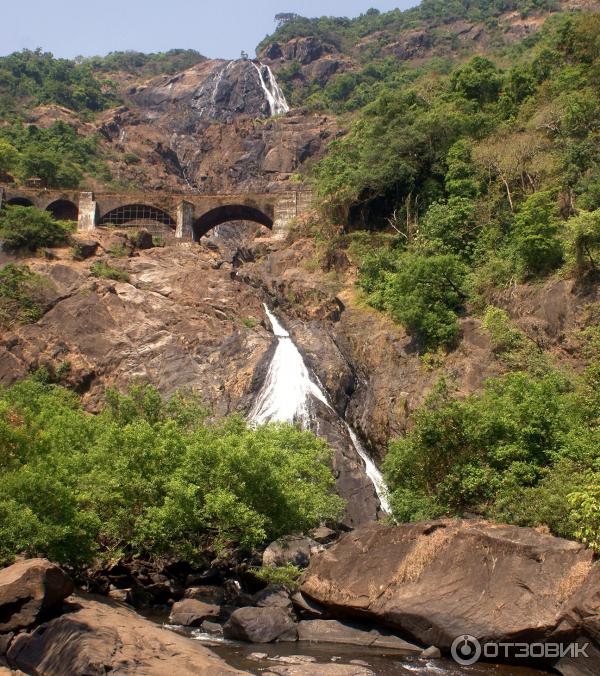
137 214
19 202
63 210
229 212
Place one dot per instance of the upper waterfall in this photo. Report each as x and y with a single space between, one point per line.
275 97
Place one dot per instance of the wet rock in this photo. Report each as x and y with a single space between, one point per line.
5 640
426 580
30 591
292 549
260 625
190 612
97 636
324 670
431 653
212 628
332 631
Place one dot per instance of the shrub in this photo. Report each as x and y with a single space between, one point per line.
513 453
19 295
28 227
286 575
149 477
104 271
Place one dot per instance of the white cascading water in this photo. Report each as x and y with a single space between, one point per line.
275 97
286 397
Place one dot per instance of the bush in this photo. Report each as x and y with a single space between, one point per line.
28 227
514 453
19 295
147 477
104 271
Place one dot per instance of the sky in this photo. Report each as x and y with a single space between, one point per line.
216 28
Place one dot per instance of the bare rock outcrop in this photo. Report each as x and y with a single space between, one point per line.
438 580
98 636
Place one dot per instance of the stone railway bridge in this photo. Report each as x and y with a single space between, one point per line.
181 216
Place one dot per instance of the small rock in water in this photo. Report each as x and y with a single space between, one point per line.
432 653
359 663
295 659
257 656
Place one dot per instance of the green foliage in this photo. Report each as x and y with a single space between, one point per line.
478 80
104 271
585 505
148 477
514 453
582 240
146 65
36 77
535 239
28 227
285 575
19 295
425 293
8 157
57 155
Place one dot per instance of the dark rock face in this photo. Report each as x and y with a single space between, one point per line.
260 625
30 591
97 636
437 580
84 248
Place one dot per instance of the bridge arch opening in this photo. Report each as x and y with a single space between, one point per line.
229 213
132 215
19 202
63 210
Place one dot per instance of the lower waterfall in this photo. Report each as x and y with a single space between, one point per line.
286 397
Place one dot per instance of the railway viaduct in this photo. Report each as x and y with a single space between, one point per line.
182 216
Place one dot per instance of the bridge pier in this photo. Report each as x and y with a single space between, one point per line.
88 209
185 221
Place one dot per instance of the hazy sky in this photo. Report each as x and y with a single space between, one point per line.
216 28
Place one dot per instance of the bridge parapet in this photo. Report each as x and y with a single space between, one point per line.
275 210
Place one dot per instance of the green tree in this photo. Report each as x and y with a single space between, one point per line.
32 228
582 239
534 237
9 156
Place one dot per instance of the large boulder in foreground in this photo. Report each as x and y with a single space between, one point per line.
98 636
30 591
436 580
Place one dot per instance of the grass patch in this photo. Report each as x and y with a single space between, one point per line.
104 271
286 575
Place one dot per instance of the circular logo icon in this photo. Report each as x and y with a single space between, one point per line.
465 650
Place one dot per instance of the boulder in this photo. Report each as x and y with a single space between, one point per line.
191 612
143 240
307 606
98 636
431 653
260 625
30 591
332 631
207 593
84 248
436 580
212 628
291 549
273 596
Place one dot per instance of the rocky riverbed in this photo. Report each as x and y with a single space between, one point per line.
379 600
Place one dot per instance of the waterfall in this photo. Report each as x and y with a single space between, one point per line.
286 397
275 97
